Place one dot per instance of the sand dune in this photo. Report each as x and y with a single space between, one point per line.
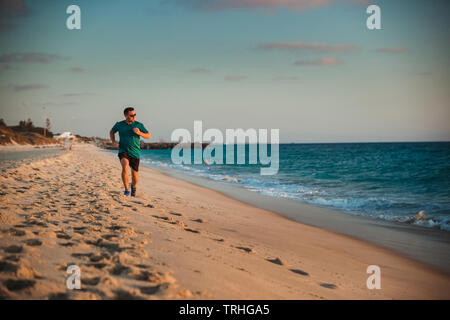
175 240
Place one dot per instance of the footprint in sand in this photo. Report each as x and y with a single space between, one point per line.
6 266
33 242
191 230
13 249
115 227
142 266
64 236
58 296
13 258
110 246
35 223
19 284
249 250
150 289
172 221
91 281
197 220
119 269
21 226
16 232
81 255
110 236
160 217
131 294
328 285
300 272
281 263
97 265
80 230
97 257
67 244
154 276
276 261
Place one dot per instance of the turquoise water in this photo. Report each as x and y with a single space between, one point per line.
391 181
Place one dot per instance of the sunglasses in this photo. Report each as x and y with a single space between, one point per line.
132 115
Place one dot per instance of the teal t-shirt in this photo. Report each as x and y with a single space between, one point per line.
129 141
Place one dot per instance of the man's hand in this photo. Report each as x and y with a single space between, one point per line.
142 134
116 144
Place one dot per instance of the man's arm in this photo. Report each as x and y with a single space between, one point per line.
142 134
145 135
113 138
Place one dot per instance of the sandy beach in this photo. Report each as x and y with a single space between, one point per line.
175 240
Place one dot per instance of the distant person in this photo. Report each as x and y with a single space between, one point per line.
130 132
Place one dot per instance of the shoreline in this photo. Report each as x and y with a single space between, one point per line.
248 198
176 240
29 147
426 245
13 156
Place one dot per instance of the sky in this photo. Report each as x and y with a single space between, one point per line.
310 68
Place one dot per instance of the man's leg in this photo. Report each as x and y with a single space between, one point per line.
134 178
125 177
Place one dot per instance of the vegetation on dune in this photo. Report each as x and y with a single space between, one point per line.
25 133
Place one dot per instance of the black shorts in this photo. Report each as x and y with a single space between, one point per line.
134 163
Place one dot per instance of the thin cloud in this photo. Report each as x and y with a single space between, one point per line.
77 94
60 104
13 8
323 62
6 26
10 11
270 5
363 2
30 57
200 70
76 69
266 5
4 67
234 78
308 46
26 87
392 50
281 78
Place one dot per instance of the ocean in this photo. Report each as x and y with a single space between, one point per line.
389 181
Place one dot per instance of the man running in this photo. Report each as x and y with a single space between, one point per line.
130 132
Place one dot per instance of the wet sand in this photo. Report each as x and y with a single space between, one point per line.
428 245
175 240
14 156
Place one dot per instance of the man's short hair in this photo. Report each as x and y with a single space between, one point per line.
127 109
